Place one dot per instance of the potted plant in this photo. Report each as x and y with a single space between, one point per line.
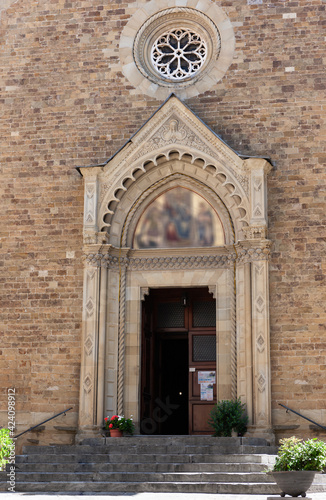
6 446
228 416
117 425
296 464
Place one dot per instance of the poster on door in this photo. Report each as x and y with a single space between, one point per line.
206 392
206 380
206 377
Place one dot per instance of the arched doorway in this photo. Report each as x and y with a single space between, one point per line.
174 151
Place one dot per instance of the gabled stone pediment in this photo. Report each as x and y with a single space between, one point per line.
176 137
175 126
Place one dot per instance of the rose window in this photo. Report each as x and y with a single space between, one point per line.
179 53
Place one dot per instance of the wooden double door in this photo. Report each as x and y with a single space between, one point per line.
178 366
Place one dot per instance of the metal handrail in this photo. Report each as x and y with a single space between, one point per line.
34 427
302 416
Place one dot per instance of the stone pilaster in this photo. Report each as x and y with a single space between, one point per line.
254 378
261 344
258 168
93 347
88 374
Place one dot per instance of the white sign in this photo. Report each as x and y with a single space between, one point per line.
206 377
206 392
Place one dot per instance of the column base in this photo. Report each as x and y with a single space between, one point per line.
90 435
259 431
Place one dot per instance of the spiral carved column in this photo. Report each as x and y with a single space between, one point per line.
232 289
121 341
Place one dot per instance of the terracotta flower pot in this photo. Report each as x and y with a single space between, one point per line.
294 483
116 433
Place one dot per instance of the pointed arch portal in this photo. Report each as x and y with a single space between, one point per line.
175 213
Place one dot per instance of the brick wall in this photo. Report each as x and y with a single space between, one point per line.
65 102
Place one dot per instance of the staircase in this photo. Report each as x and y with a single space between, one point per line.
185 464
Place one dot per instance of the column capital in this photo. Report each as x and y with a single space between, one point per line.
249 250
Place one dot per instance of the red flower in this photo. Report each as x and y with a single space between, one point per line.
110 426
106 419
114 416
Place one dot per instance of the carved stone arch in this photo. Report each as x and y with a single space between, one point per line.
225 192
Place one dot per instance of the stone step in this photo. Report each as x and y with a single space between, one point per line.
191 487
127 448
142 458
147 477
186 440
319 483
137 487
154 441
188 464
142 467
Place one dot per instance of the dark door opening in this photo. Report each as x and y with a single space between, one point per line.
178 352
173 386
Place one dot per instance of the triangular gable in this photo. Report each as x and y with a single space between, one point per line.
174 128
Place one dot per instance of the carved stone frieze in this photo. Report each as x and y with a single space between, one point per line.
260 304
90 203
90 307
174 131
178 135
242 255
88 345
88 384
161 263
261 382
94 238
90 190
260 343
253 254
257 183
90 274
254 232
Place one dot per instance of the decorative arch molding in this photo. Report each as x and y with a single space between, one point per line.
175 140
179 178
174 148
150 172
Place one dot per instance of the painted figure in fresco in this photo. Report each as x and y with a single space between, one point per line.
178 218
205 226
177 210
151 234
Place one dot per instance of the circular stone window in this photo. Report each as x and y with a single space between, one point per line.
175 46
178 49
179 54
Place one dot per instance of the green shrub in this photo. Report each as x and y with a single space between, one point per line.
228 416
295 454
6 444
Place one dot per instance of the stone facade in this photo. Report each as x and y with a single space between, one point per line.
66 101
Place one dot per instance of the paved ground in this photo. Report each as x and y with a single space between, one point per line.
154 496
